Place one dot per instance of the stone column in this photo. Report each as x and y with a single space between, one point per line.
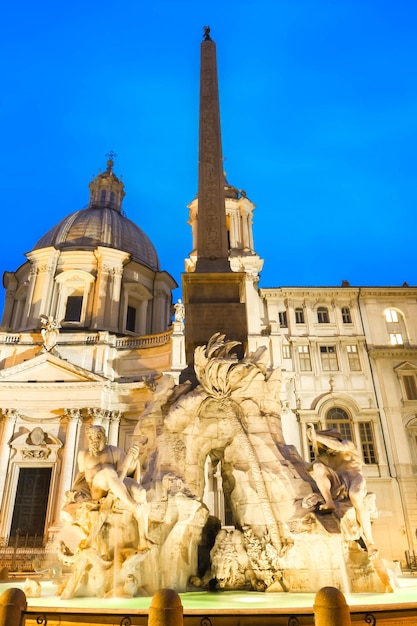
159 313
141 324
100 295
245 229
68 458
37 296
115 298
10 417
8 307
41 299
114 423
29 296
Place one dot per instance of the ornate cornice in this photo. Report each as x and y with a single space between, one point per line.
345 294
387 352
388 292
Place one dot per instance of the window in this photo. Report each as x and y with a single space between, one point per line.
353 358
304 356
31 501
346 316
73 309
396 339
328 358
367 443
103 197
311 453
286 351
397 332
322 315
391 315
339 419
299 316
282 316
112 198
410 386
73 290
131 319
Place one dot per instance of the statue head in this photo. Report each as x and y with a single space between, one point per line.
97 439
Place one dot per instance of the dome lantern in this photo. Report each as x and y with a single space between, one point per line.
107 190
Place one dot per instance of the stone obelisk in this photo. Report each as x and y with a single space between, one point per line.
213 294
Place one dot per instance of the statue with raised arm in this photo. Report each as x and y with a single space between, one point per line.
105 470
108 469
337 472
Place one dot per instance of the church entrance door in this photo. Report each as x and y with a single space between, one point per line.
31 502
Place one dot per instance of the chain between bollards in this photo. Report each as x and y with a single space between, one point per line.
330 608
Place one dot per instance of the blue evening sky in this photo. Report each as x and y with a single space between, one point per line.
319 123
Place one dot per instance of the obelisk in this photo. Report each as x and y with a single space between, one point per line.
213 294
212 243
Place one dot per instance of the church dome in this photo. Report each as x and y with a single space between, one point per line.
102 224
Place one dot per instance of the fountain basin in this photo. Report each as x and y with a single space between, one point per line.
206 608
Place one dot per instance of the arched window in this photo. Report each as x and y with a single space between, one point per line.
338 418
391 315
322 315
411 430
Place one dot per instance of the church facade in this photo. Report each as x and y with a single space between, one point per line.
88 328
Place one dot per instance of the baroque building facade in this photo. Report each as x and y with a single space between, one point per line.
343 365
88 329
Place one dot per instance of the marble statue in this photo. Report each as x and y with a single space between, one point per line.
179 309
144 520
104 469
337 472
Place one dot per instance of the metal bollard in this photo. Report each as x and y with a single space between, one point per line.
12 605
330 608
165 609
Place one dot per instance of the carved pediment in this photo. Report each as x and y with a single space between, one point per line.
405 366
48 368
36 445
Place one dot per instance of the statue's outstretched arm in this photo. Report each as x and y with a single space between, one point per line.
332 443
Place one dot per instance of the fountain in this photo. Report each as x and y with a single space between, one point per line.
135 523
